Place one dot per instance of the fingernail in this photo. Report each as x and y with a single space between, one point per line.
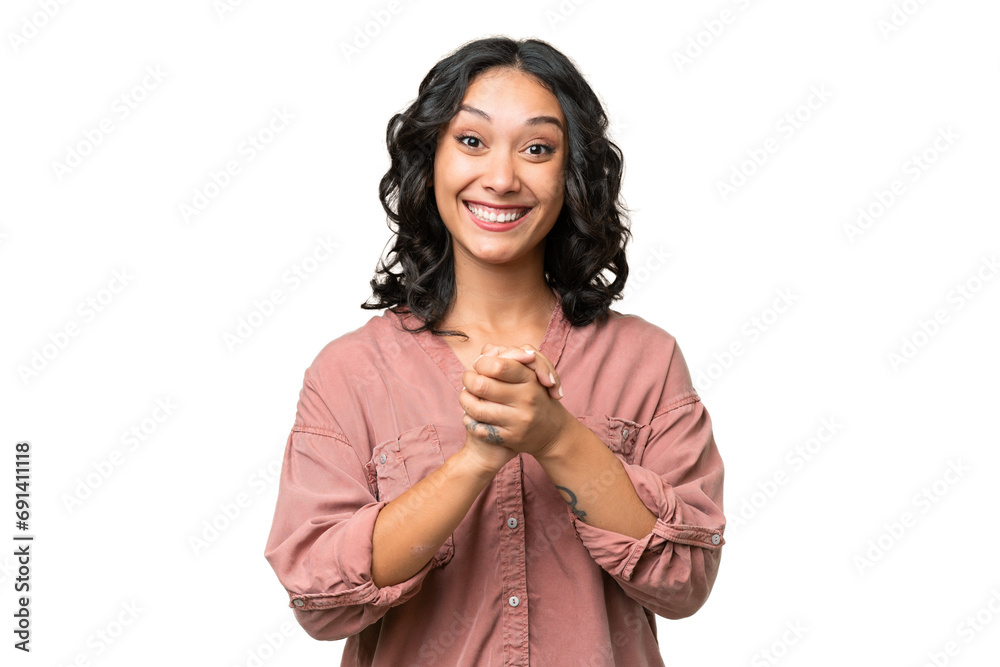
530 351
560 391
552 378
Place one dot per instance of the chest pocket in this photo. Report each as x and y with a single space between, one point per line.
618 433
399 463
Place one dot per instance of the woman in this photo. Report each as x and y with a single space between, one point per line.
443 500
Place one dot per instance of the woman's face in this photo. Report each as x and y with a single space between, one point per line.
503 154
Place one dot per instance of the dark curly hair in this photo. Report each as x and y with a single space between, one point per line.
590 234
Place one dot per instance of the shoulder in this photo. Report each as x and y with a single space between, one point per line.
357 354
642 355
622 328
343 370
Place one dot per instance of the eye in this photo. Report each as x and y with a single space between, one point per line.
462 137
547 149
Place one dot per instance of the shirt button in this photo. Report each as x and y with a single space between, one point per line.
512 522
625 434
298 603
716 539
381 459
513 601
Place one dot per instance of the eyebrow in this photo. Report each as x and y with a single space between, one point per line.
536 120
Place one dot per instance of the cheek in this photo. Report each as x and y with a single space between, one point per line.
451 170
556 190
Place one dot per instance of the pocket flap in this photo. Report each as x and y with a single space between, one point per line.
618 433
399 463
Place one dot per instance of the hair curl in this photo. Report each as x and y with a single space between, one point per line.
590 234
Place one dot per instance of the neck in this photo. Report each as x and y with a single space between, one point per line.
497 298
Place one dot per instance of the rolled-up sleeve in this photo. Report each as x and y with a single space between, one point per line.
678 475
320 543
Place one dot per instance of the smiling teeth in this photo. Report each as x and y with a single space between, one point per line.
490 216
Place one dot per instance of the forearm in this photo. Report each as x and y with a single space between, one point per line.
412 527
594 483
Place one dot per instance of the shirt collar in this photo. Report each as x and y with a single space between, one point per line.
553 342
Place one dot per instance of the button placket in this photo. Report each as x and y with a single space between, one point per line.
513 568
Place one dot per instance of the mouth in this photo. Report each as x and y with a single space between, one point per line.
497 215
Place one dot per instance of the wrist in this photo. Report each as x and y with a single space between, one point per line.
559 447
469 465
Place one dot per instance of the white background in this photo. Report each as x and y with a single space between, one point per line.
841 546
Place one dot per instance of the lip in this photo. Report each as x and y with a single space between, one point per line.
496 226
501 206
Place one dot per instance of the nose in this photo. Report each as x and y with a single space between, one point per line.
501 172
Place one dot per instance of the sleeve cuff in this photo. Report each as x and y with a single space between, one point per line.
356 564
618 554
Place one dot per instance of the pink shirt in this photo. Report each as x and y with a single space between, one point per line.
521 581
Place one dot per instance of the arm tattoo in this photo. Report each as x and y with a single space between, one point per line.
492 432
580 514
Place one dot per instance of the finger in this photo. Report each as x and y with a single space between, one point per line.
502 368
473 408
486 432
531 358
482 412
544 371
487 391
524 356
489 350
555 386
470 402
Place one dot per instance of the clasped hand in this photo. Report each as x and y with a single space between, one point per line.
511 402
